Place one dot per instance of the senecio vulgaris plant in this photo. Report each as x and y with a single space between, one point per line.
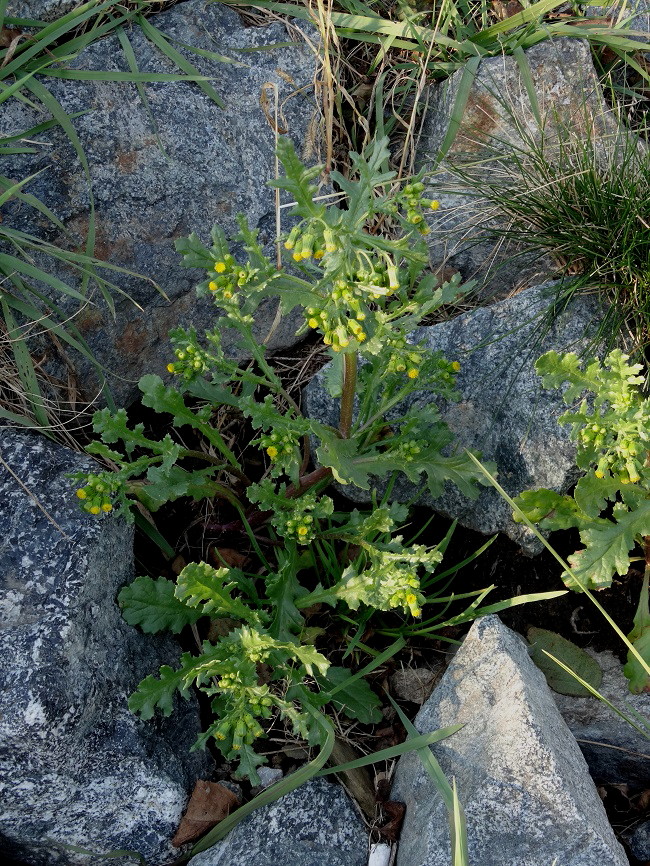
364 295
611 503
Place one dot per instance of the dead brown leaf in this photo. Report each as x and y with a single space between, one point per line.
506 10
395 813
228 556
210 803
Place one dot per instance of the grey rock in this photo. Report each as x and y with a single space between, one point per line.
503 411
76 767
40 10
615 751
215 164
636 11
415 684
315 825
498 116
269 775
638 841
524 786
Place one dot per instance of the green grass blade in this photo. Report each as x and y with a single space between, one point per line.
3 10
527 78
129 54
455 814
153 534
645 732
15 188
418 742
462 96
53 32
24 366
270 795
565 565
10 264
371 666
32 201
155 36
56 110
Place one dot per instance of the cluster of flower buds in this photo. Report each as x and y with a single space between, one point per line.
625 451
412 198
310 240
95 495
386 590
228 277
408 449
299 520
191 360
404 357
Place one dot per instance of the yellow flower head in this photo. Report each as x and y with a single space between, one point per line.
319 254
94 509
434 205
455 366
272 451
81 493
213 286
303 530
413 373
313 323
171 368
297 257
107 507
220 267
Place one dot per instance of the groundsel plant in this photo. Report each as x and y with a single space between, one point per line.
611 503
363 294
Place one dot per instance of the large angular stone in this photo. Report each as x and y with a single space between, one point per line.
616 752
76 767
159 173
521 779
503 412
40 10
498 116
315 825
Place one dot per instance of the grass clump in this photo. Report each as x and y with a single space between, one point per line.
584 200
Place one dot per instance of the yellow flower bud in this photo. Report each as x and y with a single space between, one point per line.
81 493
94 509
272 451
212 286
413 373
434 205
455 366
297 257
302 530
319 254
171 368
107 507
313 323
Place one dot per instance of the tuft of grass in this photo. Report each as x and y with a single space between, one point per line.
581 196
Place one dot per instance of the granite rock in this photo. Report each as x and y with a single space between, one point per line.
521 779
76 767
40 10
159 176
314 825
498 116
615 751
503 411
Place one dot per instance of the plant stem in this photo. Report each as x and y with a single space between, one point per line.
349 389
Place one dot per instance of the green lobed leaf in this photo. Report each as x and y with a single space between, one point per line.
153 692
543 641
201 585
549 509
356 699
639 681
608 546
592 493
152 605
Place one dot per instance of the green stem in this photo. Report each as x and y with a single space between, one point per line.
216 462
349 390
